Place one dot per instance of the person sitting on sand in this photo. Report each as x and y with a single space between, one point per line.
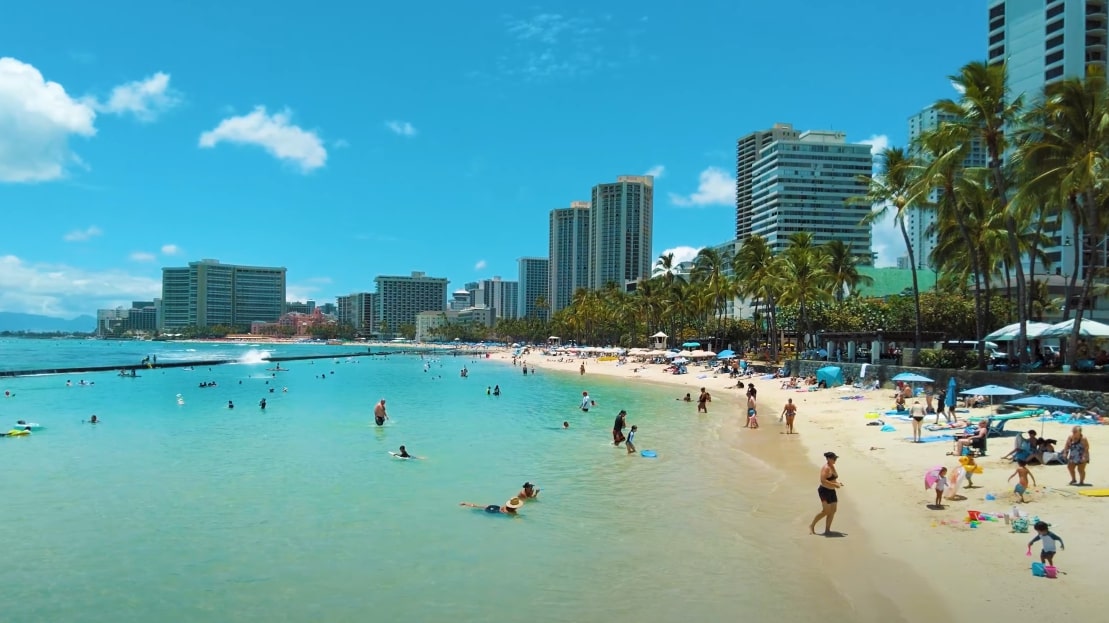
1024 448
899 403
977 440
509 507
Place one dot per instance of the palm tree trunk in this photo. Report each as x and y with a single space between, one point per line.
1092 231
916 285
1014 250
1073 272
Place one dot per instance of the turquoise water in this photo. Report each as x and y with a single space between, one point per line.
168 512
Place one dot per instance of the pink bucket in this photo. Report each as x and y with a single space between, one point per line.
1050 572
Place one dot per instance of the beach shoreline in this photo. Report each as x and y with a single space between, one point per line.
901 560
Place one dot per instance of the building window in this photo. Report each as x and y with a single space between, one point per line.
997 23
1053 42
998 11
997 52
1055 10
998 38
1054 72
1053 27
1053 57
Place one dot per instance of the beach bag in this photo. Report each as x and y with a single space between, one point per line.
1038 570
1020 524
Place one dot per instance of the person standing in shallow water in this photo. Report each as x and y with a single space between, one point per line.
618 428
829 483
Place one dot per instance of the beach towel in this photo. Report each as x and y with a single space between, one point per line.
932 438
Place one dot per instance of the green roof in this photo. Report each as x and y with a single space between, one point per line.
889 281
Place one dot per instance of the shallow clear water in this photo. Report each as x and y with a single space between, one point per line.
168 512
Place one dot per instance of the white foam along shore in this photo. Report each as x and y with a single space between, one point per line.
974 573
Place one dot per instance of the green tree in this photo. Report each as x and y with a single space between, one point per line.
843 268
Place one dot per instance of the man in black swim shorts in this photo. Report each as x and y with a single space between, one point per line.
379 413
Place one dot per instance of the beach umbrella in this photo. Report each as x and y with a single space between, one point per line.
1088 329
670 355
691 345
910 377
684 353
709 353
1043 400
991 390
725 354
949 399
1009 333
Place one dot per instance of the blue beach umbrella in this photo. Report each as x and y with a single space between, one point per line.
992 390
1043 400
910 377
725 354
691 344
950 398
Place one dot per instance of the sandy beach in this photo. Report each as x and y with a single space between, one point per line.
902 560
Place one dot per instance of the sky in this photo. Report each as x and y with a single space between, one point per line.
345 142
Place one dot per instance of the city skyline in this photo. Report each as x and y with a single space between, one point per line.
234 149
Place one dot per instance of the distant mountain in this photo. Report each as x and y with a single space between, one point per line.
15 321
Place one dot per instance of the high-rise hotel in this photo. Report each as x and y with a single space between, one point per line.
533 278
620 220
208 293
399 298
1042 42
568 261
789 181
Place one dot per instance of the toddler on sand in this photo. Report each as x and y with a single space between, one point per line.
1022 474
1049 539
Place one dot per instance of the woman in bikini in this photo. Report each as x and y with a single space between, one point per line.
828 497
1077 449
917 415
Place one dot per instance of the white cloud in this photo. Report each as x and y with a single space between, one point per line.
480 265
657 171
81 235
64 291
550 45
887 243
878 143
715 187
340 143
401 128
37 119
142 256
170 249
274 133
683 253
145 99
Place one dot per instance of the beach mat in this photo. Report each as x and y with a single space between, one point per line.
934 438
1094 493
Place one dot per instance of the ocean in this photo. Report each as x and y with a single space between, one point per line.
194 512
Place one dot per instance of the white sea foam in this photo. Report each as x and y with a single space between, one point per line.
254 355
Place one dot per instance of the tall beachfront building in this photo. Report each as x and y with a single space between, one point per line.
358 310
400 298
803 183
621 216
208 293
533 275
1042 42
568 259
919 219
747 151
496 294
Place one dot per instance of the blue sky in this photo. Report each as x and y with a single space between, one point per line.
349 142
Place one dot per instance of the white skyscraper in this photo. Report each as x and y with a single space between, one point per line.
534 280
569 253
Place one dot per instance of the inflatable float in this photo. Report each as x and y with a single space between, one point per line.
30 425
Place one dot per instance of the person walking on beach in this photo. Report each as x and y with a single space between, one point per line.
1022 475
751 412
916 413
1077 451
829 483
581 370
618 428
941 404
1049 539
703 400
379 413
789 412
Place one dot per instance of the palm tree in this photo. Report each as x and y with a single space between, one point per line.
756 270
1065 146
985 111
843 268
896 186
665 268
804 277
708 273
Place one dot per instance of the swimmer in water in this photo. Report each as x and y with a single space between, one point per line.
379 413
262 403
585 401
94 420
404 454
509 507
230 405
528 491
565 425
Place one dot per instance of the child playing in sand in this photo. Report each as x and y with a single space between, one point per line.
1049 539
1022 474
940 486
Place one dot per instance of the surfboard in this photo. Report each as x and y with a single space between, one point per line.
397 456
1094 493
649 454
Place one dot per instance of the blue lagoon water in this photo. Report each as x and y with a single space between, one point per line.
168 512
